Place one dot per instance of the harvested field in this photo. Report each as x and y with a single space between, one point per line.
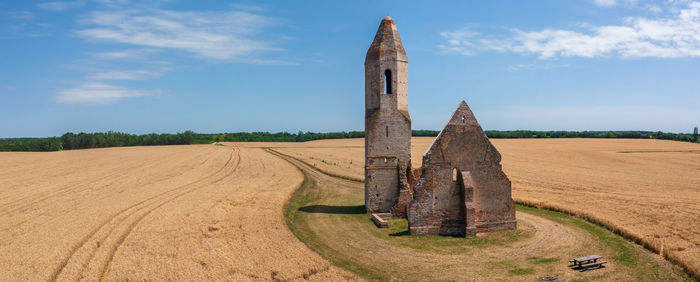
210 212
328 214
647 190
201 212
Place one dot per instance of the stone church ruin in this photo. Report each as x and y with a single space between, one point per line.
460 190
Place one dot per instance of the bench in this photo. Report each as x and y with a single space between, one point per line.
587 262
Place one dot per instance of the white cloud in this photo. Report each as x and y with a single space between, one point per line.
125 54
459 41
58 5
653 8
671 37
98 93
605 3
218 35
125 75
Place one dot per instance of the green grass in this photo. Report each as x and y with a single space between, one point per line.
521 271
513 267
536 260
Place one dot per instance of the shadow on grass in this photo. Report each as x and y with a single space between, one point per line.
334 209
584 269
400 233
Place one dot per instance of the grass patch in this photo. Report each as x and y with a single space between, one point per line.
513 267
521 271
536 260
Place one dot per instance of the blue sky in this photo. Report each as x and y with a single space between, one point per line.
215 66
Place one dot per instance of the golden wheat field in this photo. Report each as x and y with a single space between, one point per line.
202 212
647 190
215 212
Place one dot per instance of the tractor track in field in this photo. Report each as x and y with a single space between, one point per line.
123 215
26 202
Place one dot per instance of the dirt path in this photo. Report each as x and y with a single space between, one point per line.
335 226
151 213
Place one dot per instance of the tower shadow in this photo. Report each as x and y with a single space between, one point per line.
334 209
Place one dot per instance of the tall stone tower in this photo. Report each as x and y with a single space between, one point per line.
387 123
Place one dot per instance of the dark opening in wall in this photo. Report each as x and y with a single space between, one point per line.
387 81
387 131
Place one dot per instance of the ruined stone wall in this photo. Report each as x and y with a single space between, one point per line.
468 149
461 146
438 206
406 181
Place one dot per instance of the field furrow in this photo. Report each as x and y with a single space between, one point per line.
165 213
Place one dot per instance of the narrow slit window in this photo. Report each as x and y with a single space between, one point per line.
387 131
454 175
387 81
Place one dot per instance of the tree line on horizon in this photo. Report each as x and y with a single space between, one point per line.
72 141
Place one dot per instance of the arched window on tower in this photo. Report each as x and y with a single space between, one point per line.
387 81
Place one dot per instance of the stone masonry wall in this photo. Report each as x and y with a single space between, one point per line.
387 123
462 147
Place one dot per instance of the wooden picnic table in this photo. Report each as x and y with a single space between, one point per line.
587 261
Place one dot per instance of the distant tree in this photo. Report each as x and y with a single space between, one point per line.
695 134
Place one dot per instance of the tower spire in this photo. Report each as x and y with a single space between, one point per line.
386 42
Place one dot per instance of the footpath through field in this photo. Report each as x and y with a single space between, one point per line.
194 213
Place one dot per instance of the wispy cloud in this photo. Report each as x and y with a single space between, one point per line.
671 37
605 3
462 41
125 54
231 35
99 93
222 36
125 75
58 6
